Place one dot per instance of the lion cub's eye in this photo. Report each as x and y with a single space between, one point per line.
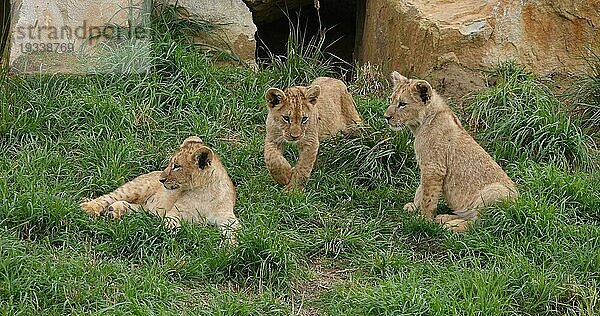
286 118
401 104
176 166
304 119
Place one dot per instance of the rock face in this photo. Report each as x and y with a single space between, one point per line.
234 21
450 40
62 35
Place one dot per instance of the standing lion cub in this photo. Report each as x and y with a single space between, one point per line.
449 159
305 115
194 187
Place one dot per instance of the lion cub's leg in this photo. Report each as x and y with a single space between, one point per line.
120 208
350 115
443 218
99 206
172 220
458 225
134 191
463 218
431 187
94 207
491 194
414 206
279 168
453 222
306 161
228 227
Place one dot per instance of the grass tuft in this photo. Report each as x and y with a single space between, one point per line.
586 93
304 60
370 160
370 80
520 119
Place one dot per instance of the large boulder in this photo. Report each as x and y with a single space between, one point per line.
451 40
64 36
235 26
61 35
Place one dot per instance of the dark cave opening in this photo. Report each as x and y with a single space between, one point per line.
338 18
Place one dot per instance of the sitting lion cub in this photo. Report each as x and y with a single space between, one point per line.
194 187
305 115
450 161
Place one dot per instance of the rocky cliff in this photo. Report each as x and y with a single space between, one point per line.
451 40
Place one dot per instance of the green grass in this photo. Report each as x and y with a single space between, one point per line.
585 93
343 247
521 119
305 59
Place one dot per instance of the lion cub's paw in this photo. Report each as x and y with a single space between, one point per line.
457 225
443 218
92 208
293 186
229 238
118 209
172 223
410 206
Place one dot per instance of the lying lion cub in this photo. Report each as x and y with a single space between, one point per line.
194 187
450 161
305 115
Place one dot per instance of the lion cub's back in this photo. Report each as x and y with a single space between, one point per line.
471 171
336 107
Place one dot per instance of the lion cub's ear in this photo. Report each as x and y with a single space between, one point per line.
203 157
312 94
398 79
423 90
274 97
191 139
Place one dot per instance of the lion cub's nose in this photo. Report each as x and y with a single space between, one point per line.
387 118
162 180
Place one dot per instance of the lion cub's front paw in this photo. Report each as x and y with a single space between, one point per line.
294 185
290 187
229 237
457 225
443 218
117 209
92 208
172 223
410 206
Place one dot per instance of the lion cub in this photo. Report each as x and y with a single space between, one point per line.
449 159
305 115
194 187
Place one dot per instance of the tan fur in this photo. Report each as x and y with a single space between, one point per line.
305 115
194 187
449 159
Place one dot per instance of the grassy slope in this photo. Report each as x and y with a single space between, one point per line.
345 246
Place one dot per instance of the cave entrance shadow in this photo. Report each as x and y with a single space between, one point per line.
338 19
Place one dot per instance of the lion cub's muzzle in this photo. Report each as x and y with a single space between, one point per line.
168 185
292 138
394 126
